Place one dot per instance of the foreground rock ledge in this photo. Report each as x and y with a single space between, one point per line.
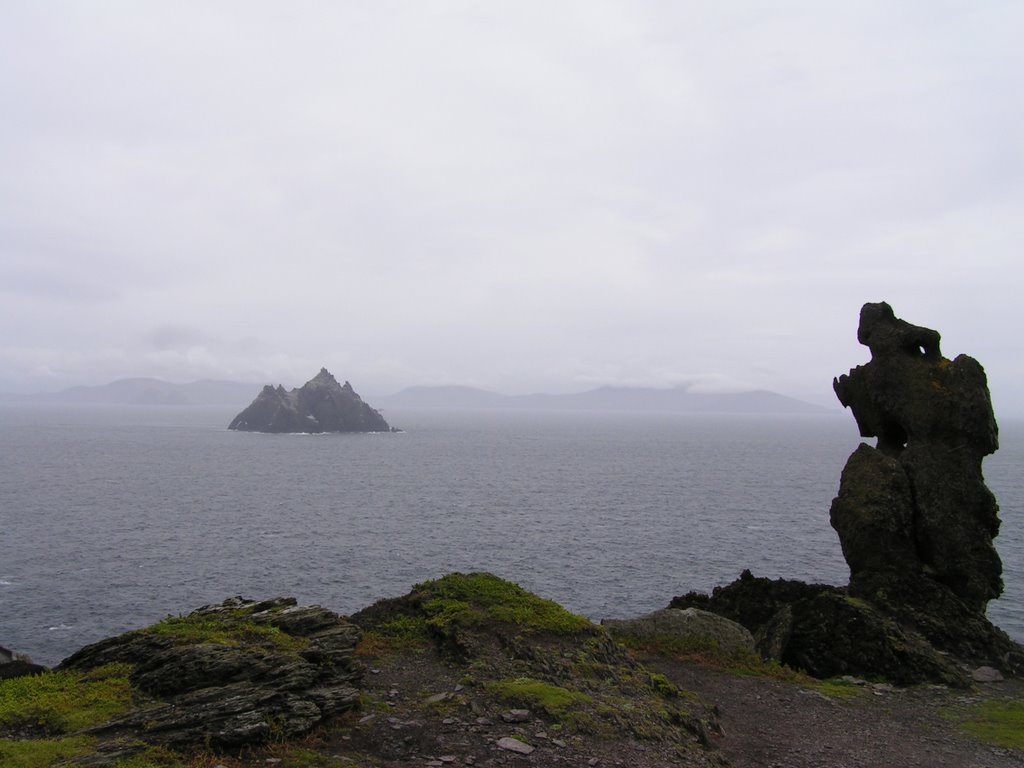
235 673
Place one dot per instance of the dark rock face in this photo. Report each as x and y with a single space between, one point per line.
319 405
17 665
824 631
224 693
915 521
918 502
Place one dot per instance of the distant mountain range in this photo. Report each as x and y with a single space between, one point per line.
157 392
601 399
148 392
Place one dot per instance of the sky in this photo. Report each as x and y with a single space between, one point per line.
524 196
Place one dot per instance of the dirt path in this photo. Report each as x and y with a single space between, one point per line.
773 724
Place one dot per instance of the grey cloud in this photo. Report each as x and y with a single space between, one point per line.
522 196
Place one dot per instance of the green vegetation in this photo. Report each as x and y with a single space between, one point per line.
43 753
65 702
1000 723
469 600
835 689
552 699
461 601
227 630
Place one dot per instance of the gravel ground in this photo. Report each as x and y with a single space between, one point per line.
772 724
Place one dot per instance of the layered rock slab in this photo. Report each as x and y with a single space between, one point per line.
319 405
235 673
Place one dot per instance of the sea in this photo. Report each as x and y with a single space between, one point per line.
112 518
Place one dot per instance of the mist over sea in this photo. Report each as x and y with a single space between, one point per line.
114 517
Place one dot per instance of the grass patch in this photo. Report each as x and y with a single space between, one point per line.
705 651
400 633
459 601
835 689
65 701
227 630
552 699
469 600
43 753
1000 723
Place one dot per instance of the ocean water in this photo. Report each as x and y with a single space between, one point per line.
112 518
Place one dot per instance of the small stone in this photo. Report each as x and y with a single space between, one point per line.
366 719
593 761
558 742
516 716
987 675
438 697
374 671
483 721
514 745
447 758
880 688
448 721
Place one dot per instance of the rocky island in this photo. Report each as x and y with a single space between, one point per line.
319 405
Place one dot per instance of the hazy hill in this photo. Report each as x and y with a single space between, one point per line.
143 391
601 399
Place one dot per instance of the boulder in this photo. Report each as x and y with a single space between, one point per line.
690 626
319 405
17 665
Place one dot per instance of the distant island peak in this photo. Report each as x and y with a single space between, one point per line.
319 405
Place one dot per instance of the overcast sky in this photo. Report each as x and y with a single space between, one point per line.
523 196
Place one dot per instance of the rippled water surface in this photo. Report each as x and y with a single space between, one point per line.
111 518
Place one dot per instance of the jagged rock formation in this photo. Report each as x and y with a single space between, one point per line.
235 673
918 504
915 521
319 405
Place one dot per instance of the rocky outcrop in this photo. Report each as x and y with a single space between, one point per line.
917 503
17 665
319 405
236 673
822 630
915 521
